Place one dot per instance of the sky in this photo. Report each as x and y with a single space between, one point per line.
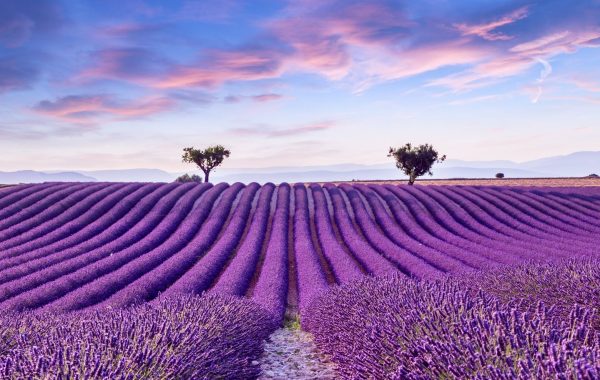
128 84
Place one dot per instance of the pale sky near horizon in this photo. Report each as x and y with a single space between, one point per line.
128 84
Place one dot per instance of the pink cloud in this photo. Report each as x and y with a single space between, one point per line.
220 67
90 108
365 44
266 97
359 44
395 65
269 131
260 98
486 30
585 84
518 59
330 37
132 64
561 42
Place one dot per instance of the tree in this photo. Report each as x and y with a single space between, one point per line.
206 159
499 175
415 161
187 178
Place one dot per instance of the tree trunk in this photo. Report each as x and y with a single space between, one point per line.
206 174
411 179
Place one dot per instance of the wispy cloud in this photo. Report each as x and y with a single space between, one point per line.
259 98
486 30
133 64
359 44
586 84
270 131
546 70
263 98
517 60
90 108
220 67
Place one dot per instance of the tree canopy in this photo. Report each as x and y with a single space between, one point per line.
415 161
206 159
187 178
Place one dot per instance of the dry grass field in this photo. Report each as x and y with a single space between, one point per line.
548 182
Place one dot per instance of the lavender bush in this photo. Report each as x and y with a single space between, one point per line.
209 337
399 328
561 285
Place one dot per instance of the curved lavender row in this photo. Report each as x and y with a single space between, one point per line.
448 260
311 278
145 260
508 205
204 271
62 202
406 208
28 208
408 262
584 200
372 260
238 274
67 223
578 233
272 286
538 217
514 227
25 197
409 227
579 229
88 225
344 266
104 260
439 238
54 260
454 217
578 208
548 215
558 211
210 337
395 328
530 228
438 218
503 240
483 214
183 272
6 190
9 194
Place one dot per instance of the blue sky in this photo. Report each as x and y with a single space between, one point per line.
124 84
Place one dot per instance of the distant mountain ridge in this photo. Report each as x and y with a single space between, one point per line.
32 176
578 164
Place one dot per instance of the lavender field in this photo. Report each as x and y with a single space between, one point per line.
73 252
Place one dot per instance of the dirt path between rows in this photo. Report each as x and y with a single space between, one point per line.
291 353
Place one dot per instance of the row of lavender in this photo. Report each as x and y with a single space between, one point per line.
532 321
184 337
70 247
